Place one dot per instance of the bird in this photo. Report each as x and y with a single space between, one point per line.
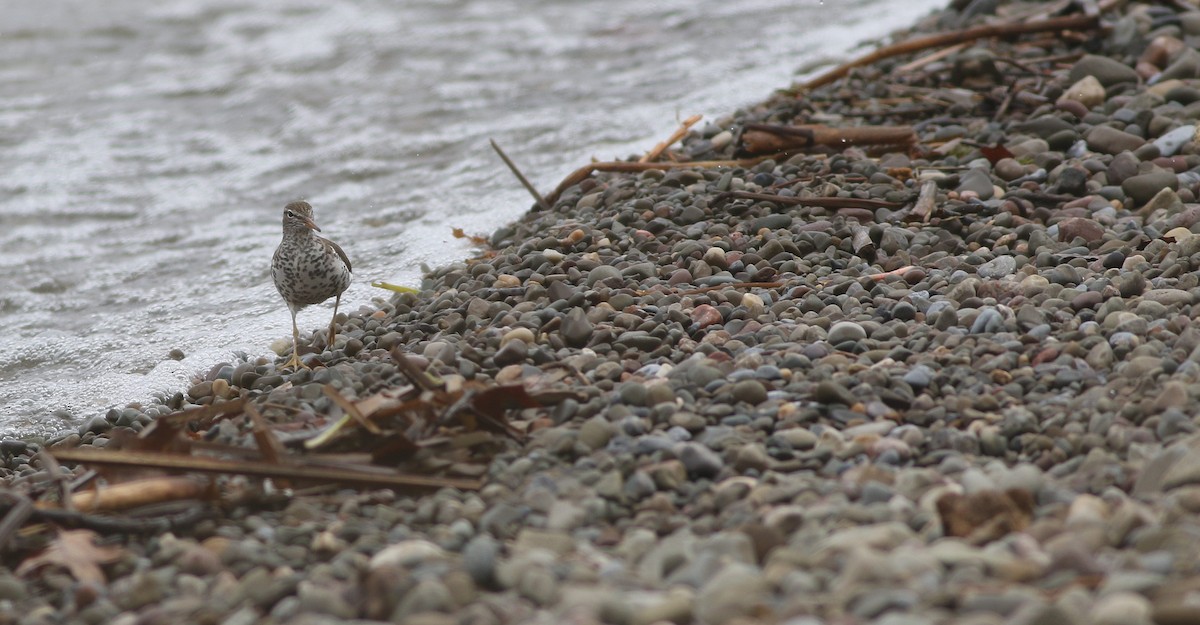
307 269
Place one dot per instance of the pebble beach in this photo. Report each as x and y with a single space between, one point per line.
965 393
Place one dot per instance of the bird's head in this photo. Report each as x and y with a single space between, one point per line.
298 216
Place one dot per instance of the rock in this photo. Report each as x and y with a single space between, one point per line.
596 432
1105 70
999 267
977 181
1082 227
830 392
1168 297
1170 143
1121 608
576 329
738 590
1109 140
699 460
1186 65
1143 187
601 273
844 331
1087 91
749 391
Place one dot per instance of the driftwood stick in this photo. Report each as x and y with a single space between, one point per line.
581 174
1007 29
926 202
20 508
675 136
930 58
880 277
541 202
133 494
860 238
759 138
351 409
117 525
348 475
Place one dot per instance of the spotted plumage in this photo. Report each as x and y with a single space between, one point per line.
307 269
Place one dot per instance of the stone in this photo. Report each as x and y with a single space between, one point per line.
844 331
1105 70
1109 140
999 267
576 330
738 590
1141 188
699 460
831 392
1087 91
1087 229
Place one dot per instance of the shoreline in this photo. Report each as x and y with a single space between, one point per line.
942 382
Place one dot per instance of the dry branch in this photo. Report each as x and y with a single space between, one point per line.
1007 29
308 472
135 493
926 202
864 247
675 136
759 138
541 202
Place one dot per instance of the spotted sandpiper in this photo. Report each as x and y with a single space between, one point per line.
307 269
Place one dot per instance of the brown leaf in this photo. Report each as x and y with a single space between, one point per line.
995 153
473 238
987 515
76 551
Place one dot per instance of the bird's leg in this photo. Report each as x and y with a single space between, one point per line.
333 319
295 362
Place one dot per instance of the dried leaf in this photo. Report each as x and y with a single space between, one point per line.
995 154
76 551
474 238
987 515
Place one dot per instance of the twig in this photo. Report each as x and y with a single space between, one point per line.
268 444
930 58
675 136
351 409
1007 29
56 473
19 510
134 494
112 525
926 202
759 138
860 239
524 181
342 475
880 277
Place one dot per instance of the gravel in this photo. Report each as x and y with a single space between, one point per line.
987 416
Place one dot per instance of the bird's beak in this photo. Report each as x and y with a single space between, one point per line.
310 223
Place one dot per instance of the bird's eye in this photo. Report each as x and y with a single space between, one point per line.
289 213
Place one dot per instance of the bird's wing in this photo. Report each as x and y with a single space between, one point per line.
330 245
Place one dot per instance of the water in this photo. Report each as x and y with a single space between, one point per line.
146 151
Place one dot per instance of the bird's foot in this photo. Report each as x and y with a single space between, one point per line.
295 363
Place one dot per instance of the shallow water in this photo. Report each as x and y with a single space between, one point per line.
145 154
